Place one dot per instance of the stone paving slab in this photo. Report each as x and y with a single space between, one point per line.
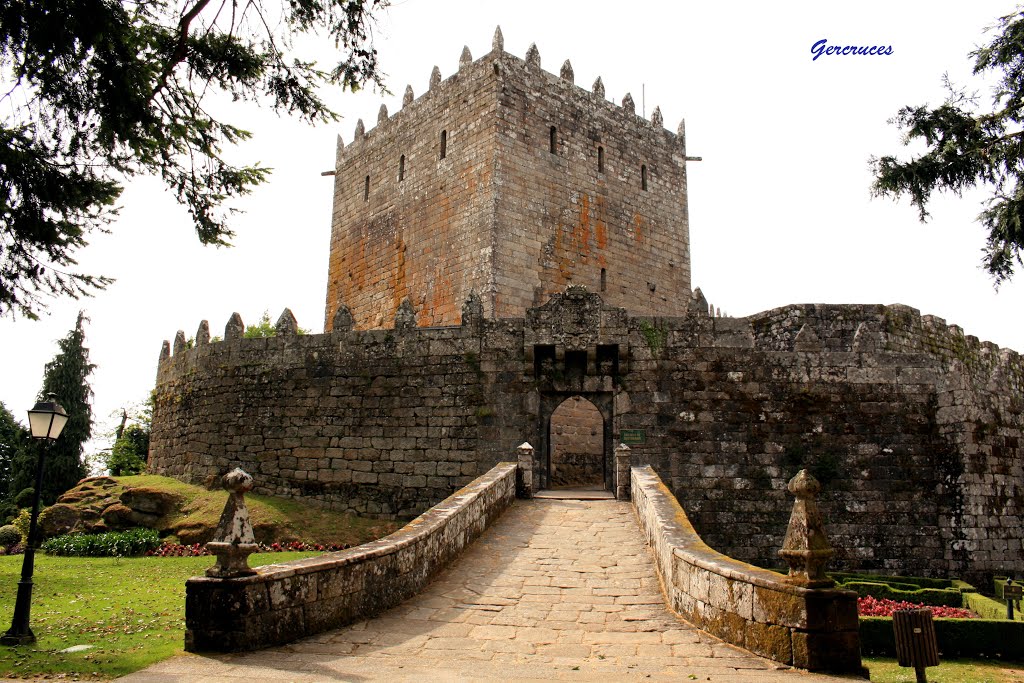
555 590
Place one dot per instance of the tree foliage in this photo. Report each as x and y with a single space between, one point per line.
130 451
98 91
13 439
67 377
968 146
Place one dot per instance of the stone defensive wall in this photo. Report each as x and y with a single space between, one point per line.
757 609
913 428
283 602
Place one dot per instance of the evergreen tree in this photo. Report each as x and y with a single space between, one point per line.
102 90
968 147
67 378
13 439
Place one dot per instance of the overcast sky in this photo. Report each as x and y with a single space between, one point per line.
780 206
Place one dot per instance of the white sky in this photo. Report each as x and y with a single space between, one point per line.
780 208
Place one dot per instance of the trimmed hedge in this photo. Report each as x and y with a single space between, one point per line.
109 544
998 639
937 597
916 581
987 608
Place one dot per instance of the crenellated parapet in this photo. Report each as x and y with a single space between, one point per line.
924 425
498 58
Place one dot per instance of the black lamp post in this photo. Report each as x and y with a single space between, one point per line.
46 420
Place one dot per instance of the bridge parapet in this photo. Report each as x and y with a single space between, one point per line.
754 608
283 602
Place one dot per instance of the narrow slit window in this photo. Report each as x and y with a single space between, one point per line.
554 140
604 279
444 144
643 177
600 159
366 189
401 168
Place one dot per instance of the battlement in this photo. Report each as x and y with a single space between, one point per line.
799 328
512 182
498 59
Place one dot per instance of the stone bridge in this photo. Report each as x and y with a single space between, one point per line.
542 588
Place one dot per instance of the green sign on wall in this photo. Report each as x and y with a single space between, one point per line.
631 437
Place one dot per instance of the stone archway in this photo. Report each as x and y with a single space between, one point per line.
577 445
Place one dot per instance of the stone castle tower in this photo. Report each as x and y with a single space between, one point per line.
510 182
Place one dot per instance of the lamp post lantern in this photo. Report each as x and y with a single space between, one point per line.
46 421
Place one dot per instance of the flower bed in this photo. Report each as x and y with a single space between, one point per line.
875 607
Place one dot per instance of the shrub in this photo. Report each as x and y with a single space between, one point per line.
22 523
956 638
109 544
939 597
9 535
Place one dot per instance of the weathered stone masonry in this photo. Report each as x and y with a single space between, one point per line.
913 428
511 182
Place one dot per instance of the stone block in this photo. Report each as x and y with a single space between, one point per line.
770 641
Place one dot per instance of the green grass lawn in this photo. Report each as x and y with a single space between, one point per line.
132 611
954 671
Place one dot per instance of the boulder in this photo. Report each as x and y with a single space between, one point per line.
57 519
150 501
119 516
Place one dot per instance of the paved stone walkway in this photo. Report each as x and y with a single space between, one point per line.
556 589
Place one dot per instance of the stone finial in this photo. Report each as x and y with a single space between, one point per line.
498 42
435 77
343 320
360 131
566 72
179 342
698 304
533 56
466 58
657 119
235 328
524 474
681 130
472 309
408 97
203 333
234 540
286 325
806 548
405 316
598 87
382 114
339 151
627 104
165 351
807 340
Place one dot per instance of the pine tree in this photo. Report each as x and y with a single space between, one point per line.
96 92
67 378
13 439
969 146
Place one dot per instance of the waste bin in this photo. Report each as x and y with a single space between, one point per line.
915 640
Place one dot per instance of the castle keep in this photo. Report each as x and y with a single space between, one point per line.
511 182
485 290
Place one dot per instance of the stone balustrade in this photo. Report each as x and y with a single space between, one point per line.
757 609
282 602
